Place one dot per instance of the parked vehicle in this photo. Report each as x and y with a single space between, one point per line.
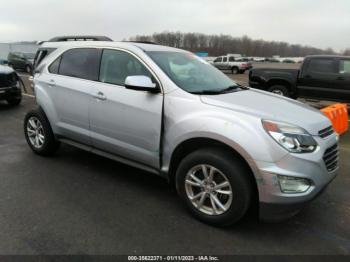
230 62
3 61
272 60
259 59
21 61
288 61
10 86
225 147
320 77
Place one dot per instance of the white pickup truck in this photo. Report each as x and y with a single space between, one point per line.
229 62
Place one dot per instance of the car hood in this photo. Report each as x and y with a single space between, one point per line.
4 69
269 106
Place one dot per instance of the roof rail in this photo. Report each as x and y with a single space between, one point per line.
142 42
80 38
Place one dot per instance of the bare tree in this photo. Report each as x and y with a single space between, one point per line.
222 44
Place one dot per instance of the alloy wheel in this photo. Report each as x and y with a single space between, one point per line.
278 92
208 189
35 132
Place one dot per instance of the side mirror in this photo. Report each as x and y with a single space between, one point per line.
142 83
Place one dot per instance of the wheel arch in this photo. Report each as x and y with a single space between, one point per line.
192 144
278 81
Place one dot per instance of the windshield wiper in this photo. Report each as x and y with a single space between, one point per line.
207 92
228 89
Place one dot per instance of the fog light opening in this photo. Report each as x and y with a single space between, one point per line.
292 185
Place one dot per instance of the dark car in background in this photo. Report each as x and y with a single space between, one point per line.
319 77
21 61
10 85
3 61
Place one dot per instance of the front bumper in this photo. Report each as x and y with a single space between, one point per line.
9 92
276 205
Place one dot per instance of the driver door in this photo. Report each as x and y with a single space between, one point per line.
125 122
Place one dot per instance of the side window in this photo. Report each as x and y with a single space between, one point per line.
225 59
41 54
54 67
231 59
344 67
117 65
81 63
219 59
321 65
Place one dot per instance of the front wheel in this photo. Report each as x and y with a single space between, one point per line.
215 186
15 101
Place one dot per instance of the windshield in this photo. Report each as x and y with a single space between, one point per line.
192 73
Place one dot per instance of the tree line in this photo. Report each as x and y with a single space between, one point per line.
217 45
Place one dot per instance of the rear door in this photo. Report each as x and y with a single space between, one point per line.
316 80
342 81
125 122
71 80
225 64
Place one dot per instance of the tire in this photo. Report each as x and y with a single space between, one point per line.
28 69
235 70
236 174
14 101
47 145
279 90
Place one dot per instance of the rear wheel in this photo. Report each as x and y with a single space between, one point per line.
235 70
279 90
28 69
215 186
38 133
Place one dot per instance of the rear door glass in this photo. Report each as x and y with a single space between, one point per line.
81 63
322 65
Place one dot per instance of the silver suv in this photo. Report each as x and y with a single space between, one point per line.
225 147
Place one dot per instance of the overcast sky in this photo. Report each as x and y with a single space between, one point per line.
319 23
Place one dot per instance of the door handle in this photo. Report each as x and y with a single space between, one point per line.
52 83
100 96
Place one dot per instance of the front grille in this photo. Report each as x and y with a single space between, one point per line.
326 132
8 80
331 158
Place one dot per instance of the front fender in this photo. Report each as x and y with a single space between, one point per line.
241 132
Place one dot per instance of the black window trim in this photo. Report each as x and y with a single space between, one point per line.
101 49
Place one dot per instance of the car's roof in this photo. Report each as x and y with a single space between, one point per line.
327 56
123 44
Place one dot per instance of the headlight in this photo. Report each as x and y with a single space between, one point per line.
293 138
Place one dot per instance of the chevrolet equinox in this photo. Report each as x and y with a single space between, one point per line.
224 146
